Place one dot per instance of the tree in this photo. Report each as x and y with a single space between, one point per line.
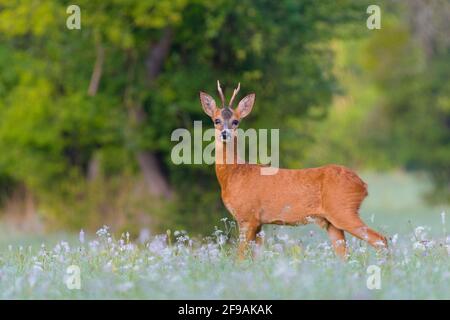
106 98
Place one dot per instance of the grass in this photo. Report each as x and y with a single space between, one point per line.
295 263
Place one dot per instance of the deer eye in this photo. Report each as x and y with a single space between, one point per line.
235 123
217 121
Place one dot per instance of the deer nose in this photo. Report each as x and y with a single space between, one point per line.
225 135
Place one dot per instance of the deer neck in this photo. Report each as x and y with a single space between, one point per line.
227 160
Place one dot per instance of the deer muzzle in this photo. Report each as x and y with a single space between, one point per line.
225 135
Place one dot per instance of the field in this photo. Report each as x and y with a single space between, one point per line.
295 263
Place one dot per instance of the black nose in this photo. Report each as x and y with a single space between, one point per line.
225 135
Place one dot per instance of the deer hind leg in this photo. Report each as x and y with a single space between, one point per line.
247 233
355 226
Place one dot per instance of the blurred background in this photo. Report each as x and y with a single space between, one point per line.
86 115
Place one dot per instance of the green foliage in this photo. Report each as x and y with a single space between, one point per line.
414 109
394 111
53 133
51 129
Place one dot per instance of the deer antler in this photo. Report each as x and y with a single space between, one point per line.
235 92
220 93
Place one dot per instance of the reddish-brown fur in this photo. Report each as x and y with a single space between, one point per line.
329 196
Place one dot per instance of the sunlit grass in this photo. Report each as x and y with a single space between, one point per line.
417 266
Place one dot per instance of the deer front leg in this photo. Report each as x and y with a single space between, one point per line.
337 239
259 237
247 233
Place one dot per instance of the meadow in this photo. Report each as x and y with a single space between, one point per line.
294 263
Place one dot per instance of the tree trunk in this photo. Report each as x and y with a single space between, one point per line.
98 69
430 24
93 169
157 54
154 178
148 162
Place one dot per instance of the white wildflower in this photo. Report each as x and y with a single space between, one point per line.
278 248
103 231
158 244
81 236
394 239
420 233
283 237
221 240
419 246
108 267
144 235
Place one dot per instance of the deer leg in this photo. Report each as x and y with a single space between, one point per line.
247 233
337 238
375 239
259 239
359 229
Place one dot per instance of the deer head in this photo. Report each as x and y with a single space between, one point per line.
226 119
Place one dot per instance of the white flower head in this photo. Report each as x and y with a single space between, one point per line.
419 246
394 238
81 237
420 233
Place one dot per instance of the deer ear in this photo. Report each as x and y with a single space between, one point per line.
208 103
245 105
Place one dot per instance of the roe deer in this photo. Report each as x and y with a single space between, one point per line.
330 195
